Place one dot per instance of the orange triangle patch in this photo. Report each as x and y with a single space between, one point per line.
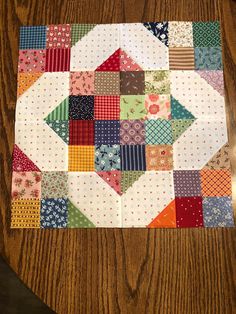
25 81
166 219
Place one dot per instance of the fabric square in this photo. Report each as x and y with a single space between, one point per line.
107 157
132 132
158 106
25 81
158 132
81 158
159 30
81 132
31 61
216 182
26 185
107 132
107 107
181 58
82 83
61 128
189 212
58 36
54 213
218 212
57 60
78 31
159 157
206 34
132 107
54 184
32 37
157 82
187 183
107 83
25 213
81 107
180 34
133 157
132 83
208 58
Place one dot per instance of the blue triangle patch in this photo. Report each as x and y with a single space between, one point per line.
178 111
159 30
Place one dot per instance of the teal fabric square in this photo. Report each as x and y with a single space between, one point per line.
107 157
206 34
158 132
208 58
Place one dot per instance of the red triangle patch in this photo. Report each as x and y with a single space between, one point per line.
112 63
127 64
21 162
166 219
112 178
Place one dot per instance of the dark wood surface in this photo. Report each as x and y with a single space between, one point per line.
106 270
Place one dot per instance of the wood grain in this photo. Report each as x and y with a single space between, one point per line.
113 270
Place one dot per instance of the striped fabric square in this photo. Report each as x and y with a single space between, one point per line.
181 58
81 158
133 157
57 60
81 132
33 37
107 107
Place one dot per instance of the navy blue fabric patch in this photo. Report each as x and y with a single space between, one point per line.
159 30
107 132
54 213
81 107
133 157
33 37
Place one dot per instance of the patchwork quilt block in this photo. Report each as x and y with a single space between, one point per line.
121 125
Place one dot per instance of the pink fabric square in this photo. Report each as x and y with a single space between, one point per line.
58 36
158 106
82 83
32 60
26 185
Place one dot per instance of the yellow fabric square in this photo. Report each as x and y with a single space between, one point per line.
81 158
25 213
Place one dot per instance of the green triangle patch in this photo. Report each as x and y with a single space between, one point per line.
61 112
61 128
76 219
180 126
128 178
78 31
178 111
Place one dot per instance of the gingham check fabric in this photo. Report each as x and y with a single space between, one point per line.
33 37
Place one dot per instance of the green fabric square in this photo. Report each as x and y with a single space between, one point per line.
132 107
158 132
208 58
78 31
157 82
206 34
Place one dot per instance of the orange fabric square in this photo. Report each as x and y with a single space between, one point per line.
216 183
81 158
159 157
25 213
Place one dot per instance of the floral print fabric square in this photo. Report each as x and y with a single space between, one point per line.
121 125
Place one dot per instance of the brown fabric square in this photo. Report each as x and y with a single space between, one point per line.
107 83
181 58
132 83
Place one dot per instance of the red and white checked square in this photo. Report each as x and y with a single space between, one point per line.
107 107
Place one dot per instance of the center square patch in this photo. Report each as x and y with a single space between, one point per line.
121 125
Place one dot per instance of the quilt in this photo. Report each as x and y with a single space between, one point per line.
121 125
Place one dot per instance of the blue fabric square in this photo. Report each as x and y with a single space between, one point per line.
107 132
53 213
33 37
218 212
208 58
107 157
133 157
158 132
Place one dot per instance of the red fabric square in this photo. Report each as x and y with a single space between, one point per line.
57 60
107 107
189 212
81 132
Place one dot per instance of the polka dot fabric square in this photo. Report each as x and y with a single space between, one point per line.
121 125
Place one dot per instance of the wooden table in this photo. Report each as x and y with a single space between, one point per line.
107 270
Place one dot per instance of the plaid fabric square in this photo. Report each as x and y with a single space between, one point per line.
78 31
32 37
54 213
81 107
208 58
82 83
159 157
57 60
31 61
107 157
187 183
132 132
181 58
218 212
216 182
107 107
81 132
189 212
25 213
107 132
58 36
133 157
107 83
206 34
158 132
132 83
81 158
